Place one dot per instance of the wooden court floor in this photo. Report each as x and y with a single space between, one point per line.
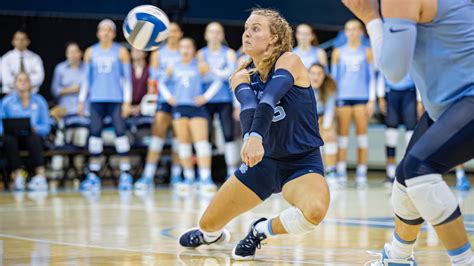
112 228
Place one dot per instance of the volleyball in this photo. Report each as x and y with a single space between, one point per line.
146 27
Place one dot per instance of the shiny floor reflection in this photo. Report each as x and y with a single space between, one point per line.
132 229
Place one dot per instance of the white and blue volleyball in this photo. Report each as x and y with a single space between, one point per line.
146 27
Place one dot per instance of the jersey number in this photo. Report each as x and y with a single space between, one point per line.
279 114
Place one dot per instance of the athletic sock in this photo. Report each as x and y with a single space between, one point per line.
401 249
204 173
341 168
210 236
175 170
391 169
460 173
265 227
189 174
150 170
462 255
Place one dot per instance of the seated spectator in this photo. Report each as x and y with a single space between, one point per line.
67 80
140 76
22 103
20 59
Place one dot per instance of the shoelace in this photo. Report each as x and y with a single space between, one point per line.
196 238
250 242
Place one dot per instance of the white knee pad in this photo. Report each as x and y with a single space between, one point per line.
294 221
122 145
343 142
175 145
402 204
79 137
232 153
203 148
362 141
185 151
330 148
96 145
156 144
391 137
432 197
408 136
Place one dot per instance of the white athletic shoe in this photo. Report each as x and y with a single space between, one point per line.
385 260
186 186
361 182
38 183
207 186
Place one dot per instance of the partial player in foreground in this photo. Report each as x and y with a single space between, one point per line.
282 144
435 40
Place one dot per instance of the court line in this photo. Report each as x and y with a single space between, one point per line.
329 221
154 251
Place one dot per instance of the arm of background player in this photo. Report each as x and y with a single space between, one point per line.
43 127
83 93
225 73
393 40
56 83
323 59
335 63
126 75
380 85
215 86
329 111
372 79
154 66
289 71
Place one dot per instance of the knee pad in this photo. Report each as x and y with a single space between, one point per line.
80 135
294 221
122 144
185 151
96 145
343 142
232 153
203 148
408 136
330 148
156 144
175 146
391 137
362 141
403 206
432 198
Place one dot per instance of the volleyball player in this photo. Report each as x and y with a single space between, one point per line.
281 150
434 39
107 86
167 55
352 68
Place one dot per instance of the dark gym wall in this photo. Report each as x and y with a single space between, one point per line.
51 23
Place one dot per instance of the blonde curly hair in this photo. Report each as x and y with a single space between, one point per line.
280 27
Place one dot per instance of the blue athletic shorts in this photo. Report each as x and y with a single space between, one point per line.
164 107
341 103
270 175
183 111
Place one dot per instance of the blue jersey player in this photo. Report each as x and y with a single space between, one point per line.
352 68
434 39
222 62
398 101
281 152
160 60
190 118
309 54
107 86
